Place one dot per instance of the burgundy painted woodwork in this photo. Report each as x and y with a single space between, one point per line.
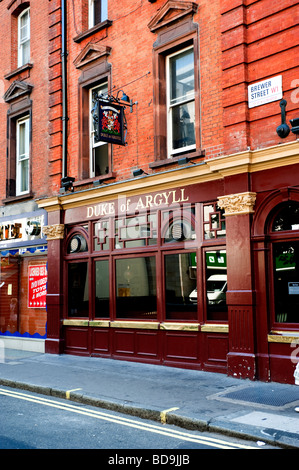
240 298
54 341
196 350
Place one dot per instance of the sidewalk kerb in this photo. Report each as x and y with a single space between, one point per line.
194 424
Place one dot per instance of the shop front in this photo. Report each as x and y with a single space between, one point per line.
143 275
200 275
23 281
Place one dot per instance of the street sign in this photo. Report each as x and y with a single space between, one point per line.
265 91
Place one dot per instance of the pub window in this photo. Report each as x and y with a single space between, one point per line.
213 221
285 258
286 281
180 102
216 285
136 291
133 232
78 293
99 152
180 286
287 218
101 235
102 282
24 37
22 156
179 225
97 12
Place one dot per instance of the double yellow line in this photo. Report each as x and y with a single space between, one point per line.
185 436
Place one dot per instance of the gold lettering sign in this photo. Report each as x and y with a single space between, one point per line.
144 202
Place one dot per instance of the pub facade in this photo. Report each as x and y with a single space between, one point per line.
168 184
182 269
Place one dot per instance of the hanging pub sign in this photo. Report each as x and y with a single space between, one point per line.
109 123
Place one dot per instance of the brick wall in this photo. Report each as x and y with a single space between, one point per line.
131 59
259 41
240 42
37 77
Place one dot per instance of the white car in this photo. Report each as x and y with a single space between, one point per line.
216 290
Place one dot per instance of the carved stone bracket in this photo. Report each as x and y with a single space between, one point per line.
233 204
54 232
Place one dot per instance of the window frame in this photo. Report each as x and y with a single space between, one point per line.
19 161
103 6
22 43
160 250
92 144
161 52
23 110
172 152
211 317
92 75
275 238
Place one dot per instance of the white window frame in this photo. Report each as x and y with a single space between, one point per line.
104 12
24 41
93 144
171 152
22 158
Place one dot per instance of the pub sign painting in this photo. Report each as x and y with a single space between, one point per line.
110 125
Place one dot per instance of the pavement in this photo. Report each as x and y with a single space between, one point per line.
190 399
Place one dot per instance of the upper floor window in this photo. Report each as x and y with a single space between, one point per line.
24 37
99 155
176 97
180 102
97 12
22 156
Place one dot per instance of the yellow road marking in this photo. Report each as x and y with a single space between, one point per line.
68 392
164 413
213 442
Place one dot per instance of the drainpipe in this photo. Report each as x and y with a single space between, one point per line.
66 182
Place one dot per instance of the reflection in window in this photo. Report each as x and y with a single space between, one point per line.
181 105
24 37
101 235
98 12
132 232
179 225
78 295
136 294
22 151
99 161
286 282
216 285
180 286
287 218
213 221
102 288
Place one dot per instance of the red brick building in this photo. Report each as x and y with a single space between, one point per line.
177 244
24 144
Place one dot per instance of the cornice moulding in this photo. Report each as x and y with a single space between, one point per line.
209 170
